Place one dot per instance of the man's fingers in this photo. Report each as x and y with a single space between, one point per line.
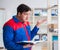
44 20
28 45
41 21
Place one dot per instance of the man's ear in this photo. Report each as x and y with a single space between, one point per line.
19 13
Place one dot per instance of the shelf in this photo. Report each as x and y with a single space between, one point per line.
42 33
56 22
45 43
40 17
55 18
44 27
55 34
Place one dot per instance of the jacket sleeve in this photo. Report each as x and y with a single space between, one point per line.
8 37
34 32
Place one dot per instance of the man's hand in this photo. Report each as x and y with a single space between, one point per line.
39 22
28 45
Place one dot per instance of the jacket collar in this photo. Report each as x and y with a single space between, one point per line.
15 19
18 21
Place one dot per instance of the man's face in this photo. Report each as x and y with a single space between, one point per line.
25 15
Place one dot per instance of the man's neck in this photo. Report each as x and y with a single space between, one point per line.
19 19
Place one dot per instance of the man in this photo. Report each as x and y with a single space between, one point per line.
18 29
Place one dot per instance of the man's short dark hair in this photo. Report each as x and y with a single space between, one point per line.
23 8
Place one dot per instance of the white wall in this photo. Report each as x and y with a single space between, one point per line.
2 18
11 5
